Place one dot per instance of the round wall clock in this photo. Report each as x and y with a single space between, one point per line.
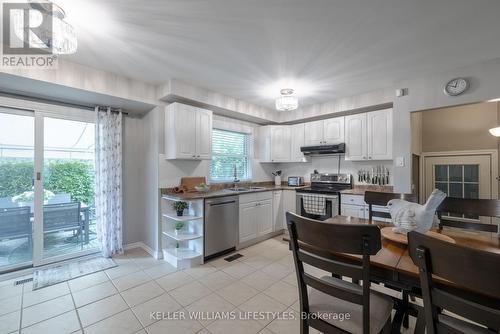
456 86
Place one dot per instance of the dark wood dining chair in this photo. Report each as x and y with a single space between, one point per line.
475 276
330 298
373 198
473 207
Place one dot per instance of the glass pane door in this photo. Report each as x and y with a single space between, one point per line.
16 188
69 224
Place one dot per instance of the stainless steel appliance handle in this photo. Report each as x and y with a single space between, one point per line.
222 203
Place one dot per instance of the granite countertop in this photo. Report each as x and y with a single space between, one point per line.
361 189
221 192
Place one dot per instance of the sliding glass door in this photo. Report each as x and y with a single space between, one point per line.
47 209
17 164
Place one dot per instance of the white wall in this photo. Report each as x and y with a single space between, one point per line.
330 165
427 93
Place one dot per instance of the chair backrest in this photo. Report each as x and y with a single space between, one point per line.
474 274
381 198
58 216
467 206
60 198
6 202
15 222
312 241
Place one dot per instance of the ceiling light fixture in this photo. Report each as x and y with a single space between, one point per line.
287 101
495 131
62 36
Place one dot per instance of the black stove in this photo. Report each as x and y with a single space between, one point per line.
328 184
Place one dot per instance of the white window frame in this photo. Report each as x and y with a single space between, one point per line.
248 156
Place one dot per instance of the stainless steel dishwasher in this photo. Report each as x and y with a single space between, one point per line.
221 225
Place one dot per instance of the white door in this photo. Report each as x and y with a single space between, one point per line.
355 137
185 129
380 135
247 221
264 216
280 144
297 141
333 130
313 133
461 176
203 134
278 212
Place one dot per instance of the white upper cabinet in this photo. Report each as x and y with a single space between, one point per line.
188 132
368 136
297 133
333 130
355 137
313 133
380 135
280 144
328 131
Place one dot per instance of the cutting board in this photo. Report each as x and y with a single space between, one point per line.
388 233
188 183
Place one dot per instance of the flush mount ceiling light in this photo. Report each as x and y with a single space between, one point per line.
287 101
61 38
495 131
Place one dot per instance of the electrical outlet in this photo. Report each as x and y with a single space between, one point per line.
400 161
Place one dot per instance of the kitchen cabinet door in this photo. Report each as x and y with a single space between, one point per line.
203 134
313 133
264 217
248 221
280 144
278 212
333 130
350 210
289 204
380 135
297 140
185 130
355 137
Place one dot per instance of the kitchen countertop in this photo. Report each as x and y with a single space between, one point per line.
224 191
361 189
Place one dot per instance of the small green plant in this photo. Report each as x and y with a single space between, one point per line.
179 226
179 207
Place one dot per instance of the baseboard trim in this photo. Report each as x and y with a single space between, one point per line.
145 247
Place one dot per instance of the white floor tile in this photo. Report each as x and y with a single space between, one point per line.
10 322
163 304
263 303
283 292
8 291
160 270
65 323
217 280
189 293
94 293
101 309
121 323
174 280
141 293
239 270
237 326
44 294
237 293
86 281
208 306
46 310
11 304
186 326
131 280
259 280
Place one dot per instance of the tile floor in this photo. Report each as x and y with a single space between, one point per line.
120 300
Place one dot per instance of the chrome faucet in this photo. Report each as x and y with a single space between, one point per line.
235 174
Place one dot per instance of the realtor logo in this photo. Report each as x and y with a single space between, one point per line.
28 35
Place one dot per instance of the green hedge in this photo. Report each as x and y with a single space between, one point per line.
72 177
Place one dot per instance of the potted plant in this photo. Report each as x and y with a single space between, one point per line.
179 207
178 227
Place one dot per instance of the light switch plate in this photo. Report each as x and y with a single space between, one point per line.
400 161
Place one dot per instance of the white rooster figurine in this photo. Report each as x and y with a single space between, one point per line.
407 216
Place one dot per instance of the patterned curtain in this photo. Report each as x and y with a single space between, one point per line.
108 181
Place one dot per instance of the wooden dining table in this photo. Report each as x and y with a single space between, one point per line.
393 266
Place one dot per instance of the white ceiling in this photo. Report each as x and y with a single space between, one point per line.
236 47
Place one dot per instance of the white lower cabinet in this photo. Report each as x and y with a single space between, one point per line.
256 216
358 211
278 212
355 206
289 205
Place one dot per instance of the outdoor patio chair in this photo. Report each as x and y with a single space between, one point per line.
6 202
60 198
62 217
15 223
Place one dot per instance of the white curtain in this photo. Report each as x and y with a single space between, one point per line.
108 181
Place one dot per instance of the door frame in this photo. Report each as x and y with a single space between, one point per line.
493 166
39 110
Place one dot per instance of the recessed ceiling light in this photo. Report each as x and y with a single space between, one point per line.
301 88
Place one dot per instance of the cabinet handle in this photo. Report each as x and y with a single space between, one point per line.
364 158
369 158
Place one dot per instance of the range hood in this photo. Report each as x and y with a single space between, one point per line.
323 149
